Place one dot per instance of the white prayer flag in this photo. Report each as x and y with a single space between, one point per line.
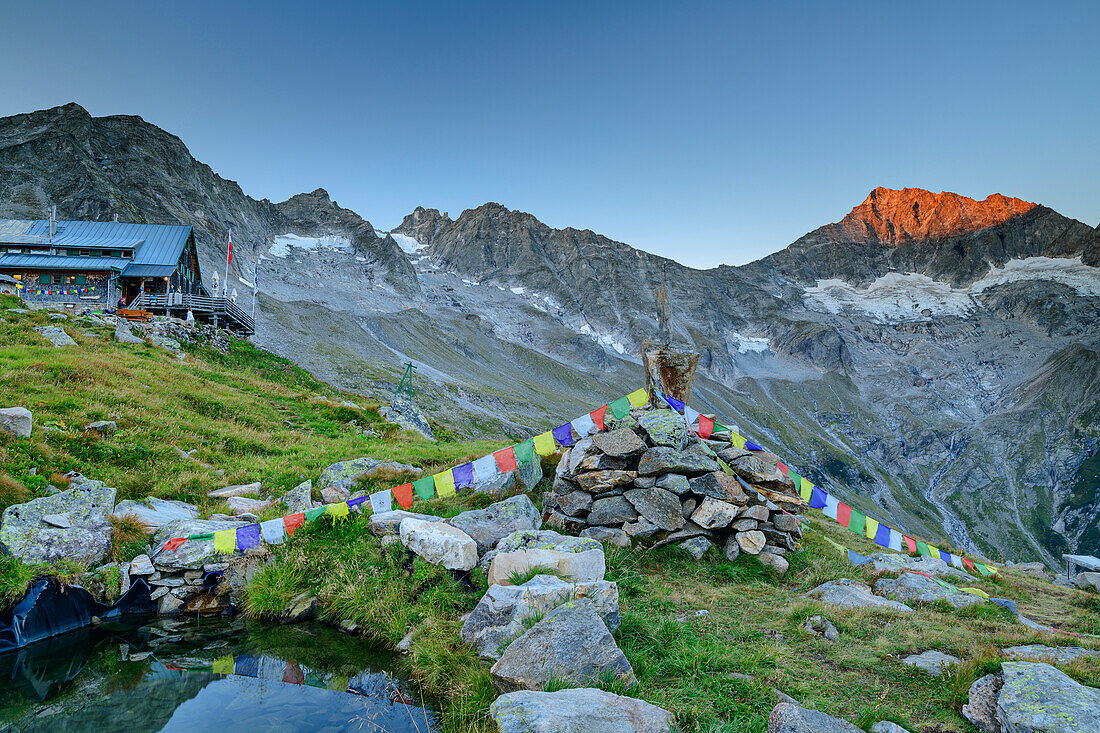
485 468
584 425
831 505
381 501
895 540
273 531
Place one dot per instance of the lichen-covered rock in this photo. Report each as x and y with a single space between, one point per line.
660 507
620 443
714 514
406 414
664 427
154 513
574 503
661 459
439 543
1037 698
696 547
597 482
762 469
499 615
981 706
848 593
571 643
86 541
16 421
300 498
673 482
495 522
574 558
341 476
579 710
910 588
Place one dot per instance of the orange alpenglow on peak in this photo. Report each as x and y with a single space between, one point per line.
893 217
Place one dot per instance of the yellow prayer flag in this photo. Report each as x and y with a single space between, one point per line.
223 665
338 511
544 444
976 592
225 542
806 490
445 483
934 551
870 528
737 440
638 397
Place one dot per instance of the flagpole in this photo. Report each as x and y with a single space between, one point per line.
255 281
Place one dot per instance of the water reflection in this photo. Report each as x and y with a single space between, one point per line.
184 676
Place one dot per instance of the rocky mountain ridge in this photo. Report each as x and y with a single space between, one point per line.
929 357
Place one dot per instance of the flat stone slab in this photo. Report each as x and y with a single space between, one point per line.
788 717
238 490
155 513
32 533
913 588
848 593
931 661
389 523
55 335
884 561
622 443
576 710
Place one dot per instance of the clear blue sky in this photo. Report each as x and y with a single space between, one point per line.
711 133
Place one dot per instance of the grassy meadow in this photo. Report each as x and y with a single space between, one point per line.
692 630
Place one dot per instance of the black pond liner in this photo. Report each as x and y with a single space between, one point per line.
51 608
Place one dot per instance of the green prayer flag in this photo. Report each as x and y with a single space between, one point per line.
314 513
620 407
922 549
524 452
796 478
202 537
858 522
983 569
424 488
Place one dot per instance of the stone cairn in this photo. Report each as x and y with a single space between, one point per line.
649 479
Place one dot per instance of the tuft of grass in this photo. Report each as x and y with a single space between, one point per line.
12 491
518 577
129 537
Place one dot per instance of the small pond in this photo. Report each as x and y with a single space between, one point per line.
226 676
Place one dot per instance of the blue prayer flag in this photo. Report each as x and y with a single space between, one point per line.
564 435
464 475
817 499
882 536
248 536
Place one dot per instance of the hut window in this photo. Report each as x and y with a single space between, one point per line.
81 279
44 279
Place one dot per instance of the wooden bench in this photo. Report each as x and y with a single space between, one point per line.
133 314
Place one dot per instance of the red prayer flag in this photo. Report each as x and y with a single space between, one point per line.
843 513
969 564
597 417
229 253
404 495
706 426
506 459
783 468
293 522
910 543
173 543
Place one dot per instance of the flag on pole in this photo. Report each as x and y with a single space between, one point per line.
228 259
255 286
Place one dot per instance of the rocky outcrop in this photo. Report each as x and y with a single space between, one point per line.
933 662
86 539
576 559
570 644
500 614
581 709
789 717
490 525
913 588
154 512
847 593
55 335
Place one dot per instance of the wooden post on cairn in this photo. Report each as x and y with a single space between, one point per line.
670 371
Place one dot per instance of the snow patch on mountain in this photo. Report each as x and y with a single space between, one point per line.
750 344
407 244
284 242
1068 271
908 297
